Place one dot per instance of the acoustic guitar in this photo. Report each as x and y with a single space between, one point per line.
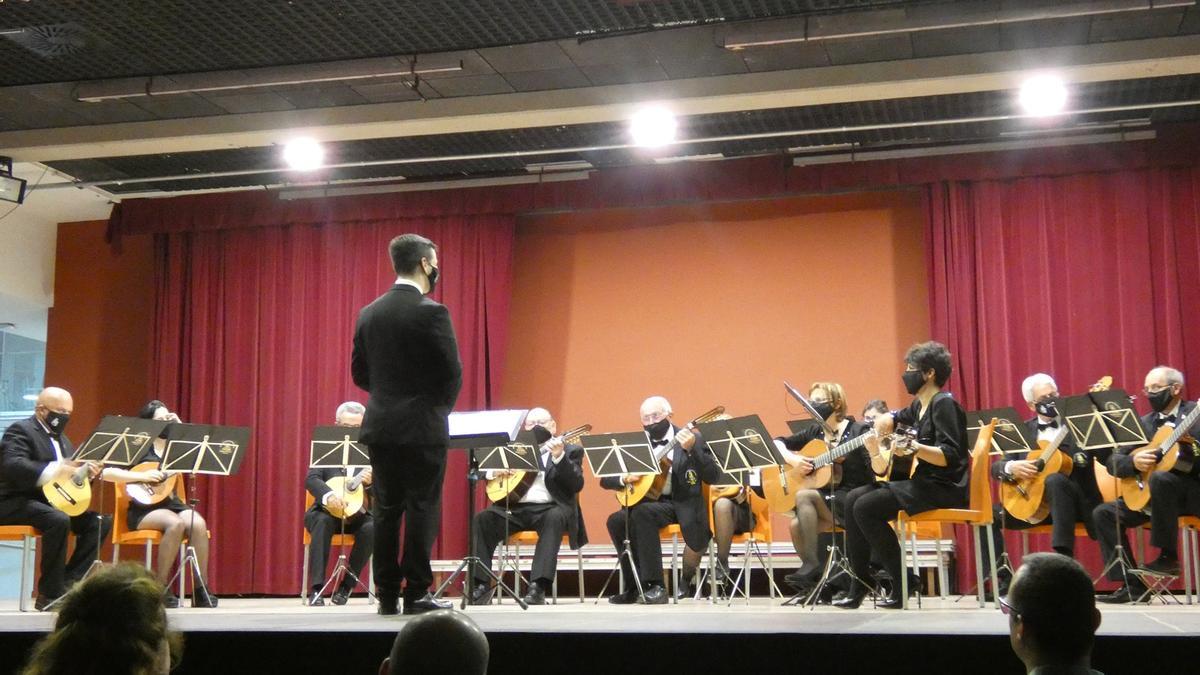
1026 499
1168 451
71 495
651 485
780 484
149 494
509 490
350 491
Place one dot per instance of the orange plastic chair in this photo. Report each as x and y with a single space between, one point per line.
978 515
530 538
28 536
337 541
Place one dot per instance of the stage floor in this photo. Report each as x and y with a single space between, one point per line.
761 616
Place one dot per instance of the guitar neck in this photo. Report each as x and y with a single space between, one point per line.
1054 444
840 451
1182 427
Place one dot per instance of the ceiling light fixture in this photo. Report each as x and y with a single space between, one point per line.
303 154
1043 95
653 127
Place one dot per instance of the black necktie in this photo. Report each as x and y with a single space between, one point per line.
1053 424
1166 419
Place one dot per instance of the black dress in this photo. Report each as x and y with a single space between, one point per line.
137 510
936 487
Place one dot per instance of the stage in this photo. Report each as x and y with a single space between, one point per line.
270 635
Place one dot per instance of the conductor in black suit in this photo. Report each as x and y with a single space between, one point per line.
406 357
34 452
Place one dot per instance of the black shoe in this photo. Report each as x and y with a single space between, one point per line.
535 596
388 606
202 598
655 594
801 581
42 602
425 603
481 595
891 601
315 600
1124 595
685 591
850 599
341 596
1164 566
169 600
627 598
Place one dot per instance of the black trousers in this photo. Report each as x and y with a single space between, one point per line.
54 525
869 534
1068 506
1105 516
1171 495
407 481
548 520
322 526
646 518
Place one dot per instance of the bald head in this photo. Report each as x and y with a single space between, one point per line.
656 405
56 398
444 641
540 417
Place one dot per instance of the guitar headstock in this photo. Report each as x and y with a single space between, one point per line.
1103 384
708 416
578 431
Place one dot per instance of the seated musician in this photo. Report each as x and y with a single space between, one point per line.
682 501
874 408
1071 498
34 452
170 516
1172 493
816 511
322 525
939 478
550 507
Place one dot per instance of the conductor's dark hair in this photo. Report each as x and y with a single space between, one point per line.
407 250
147 411
926 355
1056 601
878 405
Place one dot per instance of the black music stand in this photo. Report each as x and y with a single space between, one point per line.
618 455
116 441
742 446
201 449
337 447
468 431
521 454
808 406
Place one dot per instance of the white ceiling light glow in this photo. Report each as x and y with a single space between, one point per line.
1043 96
653 127
303 154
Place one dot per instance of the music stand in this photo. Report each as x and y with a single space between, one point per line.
1010 436
468 431
201 449
116 441
808 406
618 455
337 447
742 446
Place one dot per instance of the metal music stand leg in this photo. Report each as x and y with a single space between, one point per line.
471 563
626 552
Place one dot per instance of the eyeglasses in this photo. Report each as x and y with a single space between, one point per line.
1008 609
654 418
1151 391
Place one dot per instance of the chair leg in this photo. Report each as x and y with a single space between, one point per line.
674 569
1024 544
116 553
770 571
371 580
579 557
304 578
992 560
148 554
27 562
746 569
902 539
183 573
516 571
916 565
942 574
979 565
1195 546
1187 566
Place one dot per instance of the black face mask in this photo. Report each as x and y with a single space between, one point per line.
913 381
541 434
57 422
658 429
1159 400
1046 408
433 279
824 409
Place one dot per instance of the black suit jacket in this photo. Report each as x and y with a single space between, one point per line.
1083 472
24 453
689 470
406 357
1121 462
564 482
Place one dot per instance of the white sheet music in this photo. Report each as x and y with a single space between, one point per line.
487 422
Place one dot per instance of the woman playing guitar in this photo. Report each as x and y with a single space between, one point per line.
939 479
170 515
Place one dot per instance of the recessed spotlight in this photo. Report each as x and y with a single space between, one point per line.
1043 95
653 127
303 154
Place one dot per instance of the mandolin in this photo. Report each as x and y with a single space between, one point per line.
1168 450
350 491
780 484
149 494
1025 499
510 489
896 445
72 495
651 485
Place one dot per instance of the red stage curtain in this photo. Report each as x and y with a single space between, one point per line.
253 328
1078 276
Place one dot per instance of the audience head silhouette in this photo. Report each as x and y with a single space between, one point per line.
1052 615
443 641
112 623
